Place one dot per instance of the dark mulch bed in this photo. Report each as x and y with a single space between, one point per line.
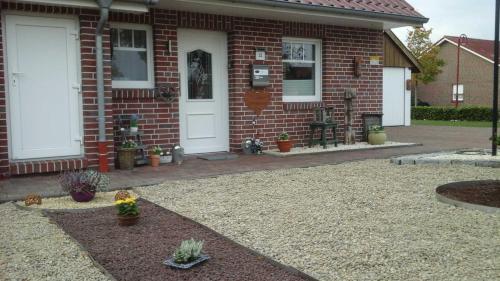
137 252
485 193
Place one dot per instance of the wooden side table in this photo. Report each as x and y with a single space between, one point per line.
323 127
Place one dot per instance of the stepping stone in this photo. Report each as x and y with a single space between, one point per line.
218 156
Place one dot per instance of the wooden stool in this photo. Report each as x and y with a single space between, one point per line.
324 127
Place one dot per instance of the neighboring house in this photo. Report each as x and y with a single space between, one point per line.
399 64
476 74
60 107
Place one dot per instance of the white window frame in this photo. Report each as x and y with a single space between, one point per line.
317 69
461 92
131 84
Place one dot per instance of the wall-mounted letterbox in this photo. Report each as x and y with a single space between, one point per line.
260 75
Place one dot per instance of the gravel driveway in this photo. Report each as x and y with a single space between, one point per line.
368 220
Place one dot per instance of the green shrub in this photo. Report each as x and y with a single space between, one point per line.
447 113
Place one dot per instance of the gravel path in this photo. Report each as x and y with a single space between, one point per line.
368 220
32 248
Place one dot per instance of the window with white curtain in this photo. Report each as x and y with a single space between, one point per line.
131 56
301 70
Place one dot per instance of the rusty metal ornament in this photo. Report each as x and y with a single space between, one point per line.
257 100
32 199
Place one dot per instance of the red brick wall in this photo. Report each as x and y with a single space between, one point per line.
340 46
161 120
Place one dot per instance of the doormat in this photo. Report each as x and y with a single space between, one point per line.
218 156
137 252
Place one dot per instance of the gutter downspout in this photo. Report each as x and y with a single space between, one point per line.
104 6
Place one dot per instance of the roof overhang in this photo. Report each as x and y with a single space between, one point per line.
446 40
417 67
287 11
118 6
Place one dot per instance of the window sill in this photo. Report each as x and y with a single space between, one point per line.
290 106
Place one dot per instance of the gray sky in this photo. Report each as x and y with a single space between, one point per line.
475 18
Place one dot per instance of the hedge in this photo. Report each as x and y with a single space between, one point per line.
463 113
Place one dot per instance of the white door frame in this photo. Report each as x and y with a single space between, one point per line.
223 94
7 71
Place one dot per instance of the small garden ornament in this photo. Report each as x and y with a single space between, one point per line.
126 154
134 126
177 154
32 199
376 135
83 185
284 143
187 255
121 195
128 211
156 153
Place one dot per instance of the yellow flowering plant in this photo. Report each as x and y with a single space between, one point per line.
127 207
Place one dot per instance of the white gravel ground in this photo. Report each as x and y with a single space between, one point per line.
368 220
31 248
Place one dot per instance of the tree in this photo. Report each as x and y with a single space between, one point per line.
421 46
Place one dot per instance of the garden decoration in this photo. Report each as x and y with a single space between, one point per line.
156 153
177 154
376 135
126 154
257 100
187 255
166 92
350 134
83 185
252 146
284 143
128 211
134 127
166 157
32 199
121 195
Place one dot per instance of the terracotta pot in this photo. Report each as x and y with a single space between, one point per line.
155 160
82 196
127 220
126 158
284 145
377 138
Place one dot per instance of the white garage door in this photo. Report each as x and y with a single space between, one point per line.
396 97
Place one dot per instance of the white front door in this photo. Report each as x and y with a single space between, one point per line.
43 87
203 104
396 98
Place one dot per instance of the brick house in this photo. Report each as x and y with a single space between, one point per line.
476 74
59 106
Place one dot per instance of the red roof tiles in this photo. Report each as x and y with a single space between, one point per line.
484 48
394 7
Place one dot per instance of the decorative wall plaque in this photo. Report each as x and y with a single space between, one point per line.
257 100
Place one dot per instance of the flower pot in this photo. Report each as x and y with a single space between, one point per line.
126 158
127 220
170 262
82 196
155 160
165 159
377 138
134 129
284 145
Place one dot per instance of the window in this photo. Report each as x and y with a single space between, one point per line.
131 56
301 70
460 92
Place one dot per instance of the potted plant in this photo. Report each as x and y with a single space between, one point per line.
376 135
165 157
284 142
155 152
128 211
187 255
134 127
83 185
126 154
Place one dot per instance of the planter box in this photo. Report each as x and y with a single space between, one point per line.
170 262
165 159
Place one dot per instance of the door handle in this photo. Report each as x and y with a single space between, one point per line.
17 73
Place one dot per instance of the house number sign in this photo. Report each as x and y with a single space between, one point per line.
257 100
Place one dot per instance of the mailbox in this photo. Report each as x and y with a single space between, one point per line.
260 75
